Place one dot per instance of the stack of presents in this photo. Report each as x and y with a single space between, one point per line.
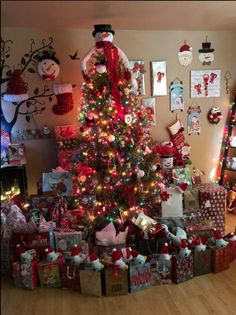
47 247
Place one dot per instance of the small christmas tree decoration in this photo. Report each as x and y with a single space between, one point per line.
48 66
185 55
16 88
64 97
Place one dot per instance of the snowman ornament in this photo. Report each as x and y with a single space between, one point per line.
185 55
48 66
206 55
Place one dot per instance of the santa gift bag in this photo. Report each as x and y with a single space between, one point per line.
173 207
91 282
70 278
64 241
49 274
220 259
115 282
182 268
202 262
140 277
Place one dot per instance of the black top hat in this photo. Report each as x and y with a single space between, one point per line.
206 47
103 28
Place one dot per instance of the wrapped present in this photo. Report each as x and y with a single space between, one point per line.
213 204
70 278
115 282
58 182
25 275
66 145
108 236
66 132
182 268
173 207
220 259
49 274
163 270
140 277
16 154
91 282
199 230
64 241
44 204
16 274
191 200
202 262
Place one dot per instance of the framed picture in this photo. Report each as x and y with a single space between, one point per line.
158 78
176 96
137 77
58 182
149 103
205 83
194 120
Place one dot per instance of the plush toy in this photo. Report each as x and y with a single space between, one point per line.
184 251
220 242
138 258
164 253
111 60
127 254
76 255
118 260
95 263
199 247
51 255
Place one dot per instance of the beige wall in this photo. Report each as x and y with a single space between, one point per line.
138 45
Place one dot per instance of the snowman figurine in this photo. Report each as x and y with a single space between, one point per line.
220 242
199 247
51 255
184 251
48 66
95 262
164 253
138 258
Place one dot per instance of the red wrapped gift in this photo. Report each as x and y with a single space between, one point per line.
205 234
25 275
75 217
220 259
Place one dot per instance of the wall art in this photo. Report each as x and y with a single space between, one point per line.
176 95
137 77
205 83
194 120
214 115
185 55
149 103
48 66
206 55
158 78
33 134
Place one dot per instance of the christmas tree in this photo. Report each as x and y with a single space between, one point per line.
116 172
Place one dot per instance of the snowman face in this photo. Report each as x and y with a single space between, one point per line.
104 37
185 58
48 69
206 57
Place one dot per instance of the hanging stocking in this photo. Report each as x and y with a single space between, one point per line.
64 97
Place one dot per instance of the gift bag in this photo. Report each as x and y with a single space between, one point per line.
49 274
173 207
90 282
148 247
29 275
6 257
191 200
65 241
182 268
232 249
202 262
70 278
16 274
220 259
140 277
163 270
115 282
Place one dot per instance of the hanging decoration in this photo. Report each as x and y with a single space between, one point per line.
149 103
227 77
137 77
176 95
16 88
206 55
48 66
214 115
64 97
205 83
194 120
159 78
185 55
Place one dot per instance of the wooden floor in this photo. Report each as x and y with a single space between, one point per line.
213 294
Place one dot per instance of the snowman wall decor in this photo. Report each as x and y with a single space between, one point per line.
206 55
48 66
185 55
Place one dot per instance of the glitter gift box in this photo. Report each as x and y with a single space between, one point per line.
182 268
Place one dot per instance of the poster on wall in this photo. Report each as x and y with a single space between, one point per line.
158 78
194 120
137 77
149 103
205 83
176 96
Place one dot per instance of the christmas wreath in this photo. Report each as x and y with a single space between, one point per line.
214 115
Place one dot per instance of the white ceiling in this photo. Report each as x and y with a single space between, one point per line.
128 15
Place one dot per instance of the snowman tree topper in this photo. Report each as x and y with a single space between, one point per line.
113 58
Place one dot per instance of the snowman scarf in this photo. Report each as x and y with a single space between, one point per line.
111 55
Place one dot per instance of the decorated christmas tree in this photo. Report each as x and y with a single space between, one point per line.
117 174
